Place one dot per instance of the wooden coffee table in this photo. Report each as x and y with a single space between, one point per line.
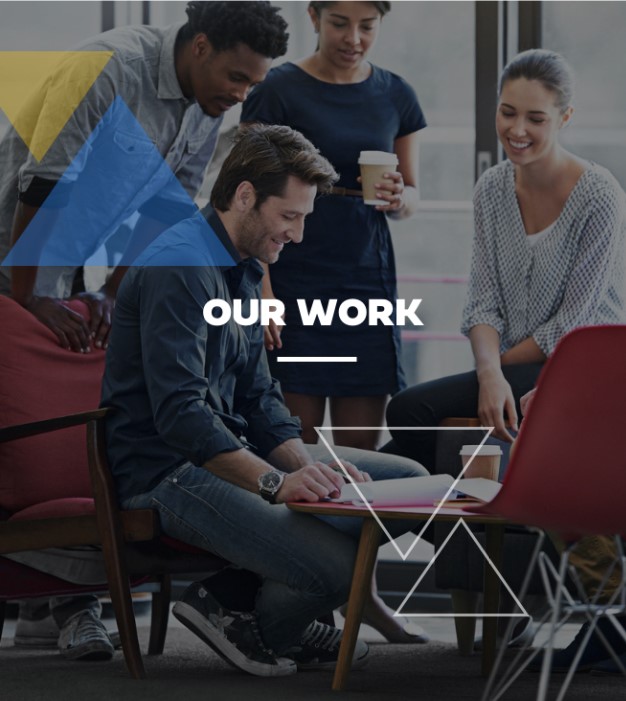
366 559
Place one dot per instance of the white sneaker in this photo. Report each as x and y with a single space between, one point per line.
84 637
35 633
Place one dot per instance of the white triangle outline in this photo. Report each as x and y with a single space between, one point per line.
460 522
404 556
370 508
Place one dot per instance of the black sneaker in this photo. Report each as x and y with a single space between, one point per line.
234 635
319 648
594 651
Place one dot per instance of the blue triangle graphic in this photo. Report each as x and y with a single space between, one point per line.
117 172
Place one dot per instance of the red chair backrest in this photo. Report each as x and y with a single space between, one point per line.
568 471
40 380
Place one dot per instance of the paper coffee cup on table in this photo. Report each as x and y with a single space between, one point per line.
486 463
374 164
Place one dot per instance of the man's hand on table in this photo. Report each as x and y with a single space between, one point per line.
318 481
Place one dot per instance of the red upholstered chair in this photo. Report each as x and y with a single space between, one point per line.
54 492
459 568
566 475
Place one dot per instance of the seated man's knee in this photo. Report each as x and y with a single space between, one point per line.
382 465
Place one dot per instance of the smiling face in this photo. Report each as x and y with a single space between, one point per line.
528 121
220 79
263 233
347 31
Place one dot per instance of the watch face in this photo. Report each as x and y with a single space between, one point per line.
271 481
269 484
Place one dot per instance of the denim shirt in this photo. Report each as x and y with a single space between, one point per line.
184 390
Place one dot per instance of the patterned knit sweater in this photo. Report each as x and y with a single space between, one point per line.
573 277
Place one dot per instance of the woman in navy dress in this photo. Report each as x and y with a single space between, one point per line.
344 105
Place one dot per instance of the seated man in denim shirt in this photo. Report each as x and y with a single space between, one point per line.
200 430
161 96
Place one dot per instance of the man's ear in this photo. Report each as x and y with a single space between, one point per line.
201 46
245 197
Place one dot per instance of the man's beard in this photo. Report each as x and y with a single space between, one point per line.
252 236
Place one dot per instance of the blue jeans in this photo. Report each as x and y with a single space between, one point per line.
306 563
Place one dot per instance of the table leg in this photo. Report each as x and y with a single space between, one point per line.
495 537
361 579
465 602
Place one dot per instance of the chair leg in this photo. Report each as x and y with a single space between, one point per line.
119 589
464 602
113 547
546 666
160 614
3 610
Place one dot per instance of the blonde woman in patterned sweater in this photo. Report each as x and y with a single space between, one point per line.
547 258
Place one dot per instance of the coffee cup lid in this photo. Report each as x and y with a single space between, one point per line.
484 450
378 158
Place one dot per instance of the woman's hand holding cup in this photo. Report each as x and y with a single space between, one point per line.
382 185
390 189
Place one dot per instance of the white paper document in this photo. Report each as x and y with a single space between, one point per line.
478 488
416 491
408 491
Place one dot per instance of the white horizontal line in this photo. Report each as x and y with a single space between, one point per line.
317 359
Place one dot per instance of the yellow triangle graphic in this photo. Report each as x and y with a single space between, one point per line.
39 91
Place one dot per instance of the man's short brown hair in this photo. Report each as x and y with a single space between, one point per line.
266 155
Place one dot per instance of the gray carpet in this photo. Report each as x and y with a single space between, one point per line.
189 670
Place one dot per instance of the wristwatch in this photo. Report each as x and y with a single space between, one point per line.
269 484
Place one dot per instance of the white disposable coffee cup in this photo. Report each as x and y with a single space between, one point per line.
374 165
486 463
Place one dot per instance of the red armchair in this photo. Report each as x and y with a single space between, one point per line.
56 489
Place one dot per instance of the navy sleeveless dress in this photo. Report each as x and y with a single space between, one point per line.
347 251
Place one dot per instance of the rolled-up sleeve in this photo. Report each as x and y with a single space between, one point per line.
174 339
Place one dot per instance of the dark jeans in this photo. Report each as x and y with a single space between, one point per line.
427 404
306 564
